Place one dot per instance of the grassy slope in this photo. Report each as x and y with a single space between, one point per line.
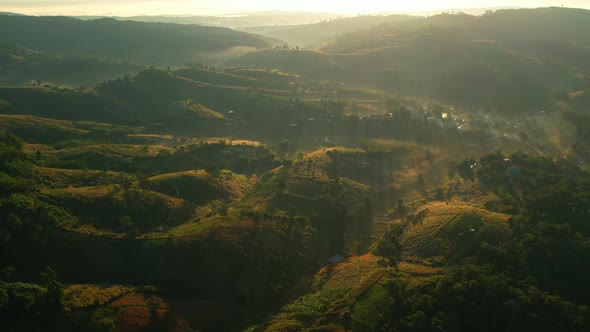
104 207
336 291
63 178
199 187
450 232
46 130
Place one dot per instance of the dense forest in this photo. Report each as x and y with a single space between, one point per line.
408 174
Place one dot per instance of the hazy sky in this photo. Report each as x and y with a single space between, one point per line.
219 7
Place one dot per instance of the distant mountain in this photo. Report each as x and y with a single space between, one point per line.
237 20
470 11
312 35
555 24
158 43
315 35
11 14
510 60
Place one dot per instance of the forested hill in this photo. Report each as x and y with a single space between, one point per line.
313 35
158 43
565 25
509 60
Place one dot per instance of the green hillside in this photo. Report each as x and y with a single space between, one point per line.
160 43
314 35
449 233
129 210
413 174
23 66
503 64
198 186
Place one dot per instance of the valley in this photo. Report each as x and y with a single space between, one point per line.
395 173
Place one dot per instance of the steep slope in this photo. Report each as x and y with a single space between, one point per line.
198 186
448 233
129 211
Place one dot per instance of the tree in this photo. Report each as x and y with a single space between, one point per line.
216 208
400 206
126 183
223 210
48 275
213 170
284 147
421 183
465 169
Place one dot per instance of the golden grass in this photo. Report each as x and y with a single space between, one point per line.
89 230
265 71
170 202
231 142
233 186
166 137
28 121
305 186
85 192
86 295
126 150
36 147
129 300
166 176
191 229
134 319
205 112
430 238
350 273
418 269
374 107
284 323
578 93
354 276
136 311
320 163
72 177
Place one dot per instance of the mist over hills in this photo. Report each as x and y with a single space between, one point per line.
236 20
503 63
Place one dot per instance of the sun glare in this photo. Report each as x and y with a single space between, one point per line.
221 7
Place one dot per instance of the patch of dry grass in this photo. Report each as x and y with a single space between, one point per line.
447 228
166 137
137 311
350 273
36 147
418 269
86 295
